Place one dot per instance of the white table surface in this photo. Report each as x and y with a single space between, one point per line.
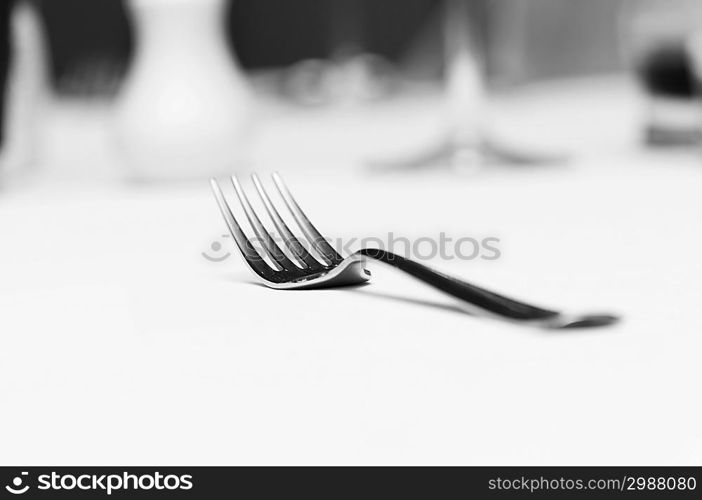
120 343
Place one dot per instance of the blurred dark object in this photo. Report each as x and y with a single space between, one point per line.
275 33
657 38
666 70
5 8
667 73
90 44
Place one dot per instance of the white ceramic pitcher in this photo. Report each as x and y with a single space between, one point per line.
185 108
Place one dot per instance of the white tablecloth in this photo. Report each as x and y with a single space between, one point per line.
120 343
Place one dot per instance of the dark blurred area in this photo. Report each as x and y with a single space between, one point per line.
5 8
328 54
87 35
271 33
666 70
525 39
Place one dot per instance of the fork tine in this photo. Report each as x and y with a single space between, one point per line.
291 241
270 246
319 243
253 258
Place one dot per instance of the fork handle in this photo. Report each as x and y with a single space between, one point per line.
485 300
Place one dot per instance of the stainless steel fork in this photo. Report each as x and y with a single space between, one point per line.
325 267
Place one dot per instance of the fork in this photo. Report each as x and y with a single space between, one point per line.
325 267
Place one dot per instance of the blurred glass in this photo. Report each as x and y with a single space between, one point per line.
23 79
351 73
464 54
467 143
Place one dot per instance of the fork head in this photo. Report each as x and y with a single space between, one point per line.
293 266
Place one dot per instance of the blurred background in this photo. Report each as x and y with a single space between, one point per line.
178 89
531 39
